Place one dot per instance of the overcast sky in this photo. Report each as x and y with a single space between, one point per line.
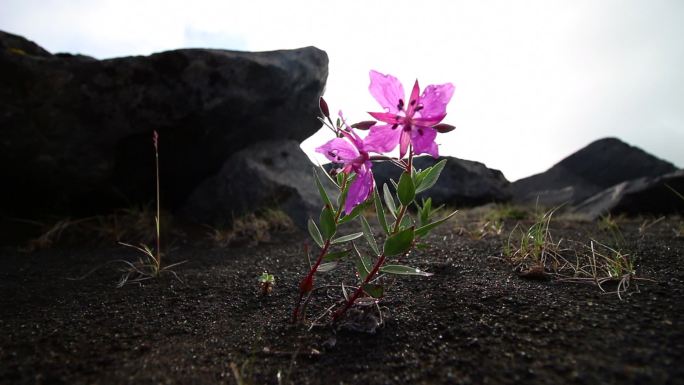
535 80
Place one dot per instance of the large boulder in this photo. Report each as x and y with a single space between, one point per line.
462 182
76 132
271 174
601 164
639 196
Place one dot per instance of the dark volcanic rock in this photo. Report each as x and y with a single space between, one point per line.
267 174
638 196
76 131
462 183
601 164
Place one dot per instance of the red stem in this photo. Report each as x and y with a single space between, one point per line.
306 284
381 260
309 277
358 291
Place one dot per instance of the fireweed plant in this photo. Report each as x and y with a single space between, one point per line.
411 125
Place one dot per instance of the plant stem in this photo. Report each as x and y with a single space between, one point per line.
402 211
359 290
324 250
400 216
309 277
156 166
381 260
339 209
409 166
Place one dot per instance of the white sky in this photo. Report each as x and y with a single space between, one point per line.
535 80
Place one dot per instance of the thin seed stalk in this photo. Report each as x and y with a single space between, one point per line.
158 219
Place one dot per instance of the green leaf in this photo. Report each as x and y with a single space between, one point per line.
337 255
406 222
326 267
380 211
424 230
327 222
347 238
425 211
406 191
418 176
362 264
321 190
399 243
389 201
403 270
431 176
355 213
266 278
374 290
327 175
340 179
368 233
315 233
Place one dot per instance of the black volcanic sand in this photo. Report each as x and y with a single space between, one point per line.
473 322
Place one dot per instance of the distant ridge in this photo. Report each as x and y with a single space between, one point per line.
601 164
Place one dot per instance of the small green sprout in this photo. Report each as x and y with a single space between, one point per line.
266 283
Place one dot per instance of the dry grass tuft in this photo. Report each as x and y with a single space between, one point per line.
132 224
535 254
252 229
533 251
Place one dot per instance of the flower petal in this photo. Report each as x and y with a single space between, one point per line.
382 139
360 189
387 117
423 140
338 150
413 100
404 141
435 99
428 121
387 90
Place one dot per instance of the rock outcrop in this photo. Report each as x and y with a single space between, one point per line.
601 164
264 175
77 132
655 196
462 182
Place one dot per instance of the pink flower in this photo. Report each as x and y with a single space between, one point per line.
350 152
411 122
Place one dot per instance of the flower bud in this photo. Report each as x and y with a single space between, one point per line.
366 124
324 107
443 128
